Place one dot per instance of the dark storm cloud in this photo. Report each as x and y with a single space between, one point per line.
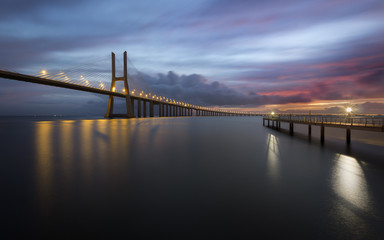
196 89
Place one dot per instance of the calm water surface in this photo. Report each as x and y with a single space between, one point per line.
199 177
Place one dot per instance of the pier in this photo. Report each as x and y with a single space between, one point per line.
348 122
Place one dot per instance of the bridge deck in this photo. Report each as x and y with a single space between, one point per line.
56 83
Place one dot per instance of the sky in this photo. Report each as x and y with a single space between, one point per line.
261 56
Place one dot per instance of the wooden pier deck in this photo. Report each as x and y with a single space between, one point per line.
364 123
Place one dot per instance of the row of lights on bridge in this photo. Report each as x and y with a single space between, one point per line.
44 73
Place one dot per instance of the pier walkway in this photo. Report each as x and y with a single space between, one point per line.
361 122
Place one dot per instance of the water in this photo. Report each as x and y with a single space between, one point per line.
192 177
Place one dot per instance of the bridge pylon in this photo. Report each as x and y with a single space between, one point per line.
128 100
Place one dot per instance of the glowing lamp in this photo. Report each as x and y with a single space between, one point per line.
348 109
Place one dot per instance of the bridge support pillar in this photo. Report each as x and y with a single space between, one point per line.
151 109
309 130
128 100
138 108
144 108
348 136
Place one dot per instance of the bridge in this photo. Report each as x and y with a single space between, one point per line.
347 122
145 102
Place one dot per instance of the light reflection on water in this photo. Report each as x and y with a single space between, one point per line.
273 156
349 183
44 156
66 150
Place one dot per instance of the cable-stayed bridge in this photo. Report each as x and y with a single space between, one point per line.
139 97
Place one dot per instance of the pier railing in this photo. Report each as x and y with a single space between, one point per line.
361 121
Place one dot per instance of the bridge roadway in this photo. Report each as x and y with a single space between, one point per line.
346 122
166 109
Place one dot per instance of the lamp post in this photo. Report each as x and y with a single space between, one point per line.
348 110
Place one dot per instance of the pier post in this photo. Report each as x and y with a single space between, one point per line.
291 128
309 130
160 115
322 133
348 136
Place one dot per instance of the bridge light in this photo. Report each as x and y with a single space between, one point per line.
141 94
43 72
124 90
146 95
131 92
273 113
87 82
348 109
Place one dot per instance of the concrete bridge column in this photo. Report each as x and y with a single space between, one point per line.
151 109
138 108
160 115
133 107
309 130
166 110
144 108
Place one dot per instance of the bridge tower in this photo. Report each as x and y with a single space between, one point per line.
128 100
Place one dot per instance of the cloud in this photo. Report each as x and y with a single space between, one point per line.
198 90
375 79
